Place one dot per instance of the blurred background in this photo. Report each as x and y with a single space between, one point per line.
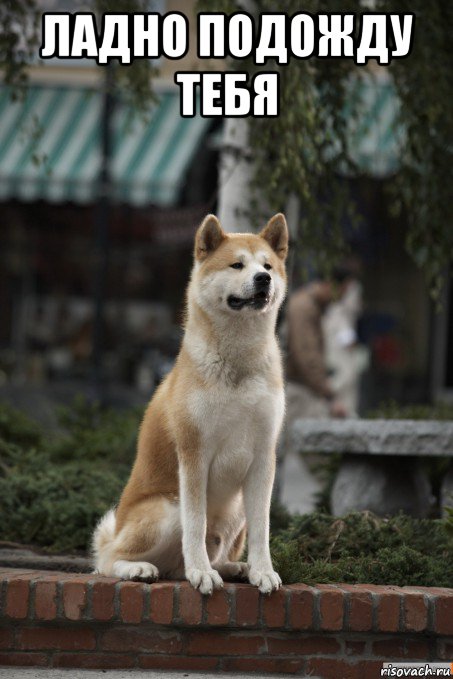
99 204
102 187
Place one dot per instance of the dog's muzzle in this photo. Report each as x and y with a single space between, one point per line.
260 298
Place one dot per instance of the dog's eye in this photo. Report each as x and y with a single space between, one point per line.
237 265
268 267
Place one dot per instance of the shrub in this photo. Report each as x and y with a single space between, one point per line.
53 506
53 490
361 547
91 433
16 427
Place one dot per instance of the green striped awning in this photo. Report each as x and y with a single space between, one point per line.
375 136
50 147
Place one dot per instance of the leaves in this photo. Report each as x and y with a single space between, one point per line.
292 151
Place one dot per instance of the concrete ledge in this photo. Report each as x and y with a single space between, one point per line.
374 437
51 619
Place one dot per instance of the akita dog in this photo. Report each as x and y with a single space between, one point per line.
205 462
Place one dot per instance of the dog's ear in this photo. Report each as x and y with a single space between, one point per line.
208 238
276 234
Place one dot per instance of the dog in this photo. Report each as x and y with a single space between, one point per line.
205 463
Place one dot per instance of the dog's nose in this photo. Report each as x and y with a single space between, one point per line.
262 279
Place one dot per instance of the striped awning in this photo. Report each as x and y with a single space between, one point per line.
375 135
50 147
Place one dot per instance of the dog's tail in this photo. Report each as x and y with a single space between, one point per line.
103 537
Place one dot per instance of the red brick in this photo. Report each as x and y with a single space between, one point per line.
18 596
281 665
389 648
329 668
331 608
353 647
74 599
40 638
247 605
8 572
221 643
190 604
95 661
388 612
46 600
6 638
162 662
83 578
369 669
124 639
434 591
401 648
444 650
24 659
301 606
444 615
274 609
53 576
218 608
295 644
131 601
415 612
161 610
360 611
417 649
103 602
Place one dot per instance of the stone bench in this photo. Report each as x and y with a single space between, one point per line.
380 470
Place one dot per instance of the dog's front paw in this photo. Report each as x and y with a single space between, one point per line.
266 581
234 569
135 570
204 580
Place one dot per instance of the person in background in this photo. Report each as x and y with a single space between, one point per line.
310 393
346 358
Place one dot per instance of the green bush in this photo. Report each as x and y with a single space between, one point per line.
361 547
91 433
15 427
54 489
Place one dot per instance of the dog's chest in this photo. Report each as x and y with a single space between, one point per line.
233 423
224 413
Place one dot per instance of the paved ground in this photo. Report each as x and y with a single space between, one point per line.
29 673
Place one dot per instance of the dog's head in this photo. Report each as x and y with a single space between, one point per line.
240 273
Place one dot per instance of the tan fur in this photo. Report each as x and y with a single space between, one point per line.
206 448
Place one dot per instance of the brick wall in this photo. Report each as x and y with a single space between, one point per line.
332 631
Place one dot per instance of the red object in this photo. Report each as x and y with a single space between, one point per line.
52 619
